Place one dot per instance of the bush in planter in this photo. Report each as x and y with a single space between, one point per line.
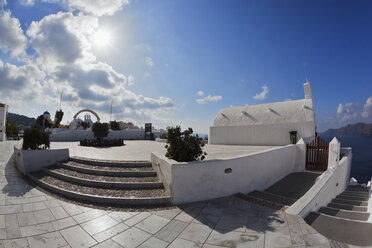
35 139
100 130
85 125
182 146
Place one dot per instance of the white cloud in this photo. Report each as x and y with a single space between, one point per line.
131 80
147 74
98 7
263 94
149 62
347 111
201 93
11 35
209 98
367 108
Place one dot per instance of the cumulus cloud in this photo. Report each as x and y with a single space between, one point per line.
201 93
11 35
347 111
367 108
263 94
149 62
209 98
98 7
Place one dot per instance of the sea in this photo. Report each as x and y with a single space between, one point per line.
361 165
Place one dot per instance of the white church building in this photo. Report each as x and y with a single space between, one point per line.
278 123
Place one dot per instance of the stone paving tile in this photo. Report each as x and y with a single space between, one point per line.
47 240
152 224
36 229
154 243
171 230
52 203
111 232
121 216
12 227
236 239
59 212
2 221
63 223
26 219
28 207
137 218
16 243
196 232
87 216
212 246
131 238
182 243
99 224
108 244
43 216
168 213
70 208
77 237
206 219
11 209
14 200
306 229
278 238
185 217
315 239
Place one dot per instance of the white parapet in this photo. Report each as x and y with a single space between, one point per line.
334 153
3 112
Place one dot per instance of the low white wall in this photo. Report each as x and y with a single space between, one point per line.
203 180
273 134
33 160
77 135
331 183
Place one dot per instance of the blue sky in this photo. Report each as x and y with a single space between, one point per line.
153 57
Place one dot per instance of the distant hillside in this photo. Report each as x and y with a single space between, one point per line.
21 120
352 129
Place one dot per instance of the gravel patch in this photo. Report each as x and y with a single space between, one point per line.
101 192
103 178
108 168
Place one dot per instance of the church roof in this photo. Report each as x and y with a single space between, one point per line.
270 113
46 113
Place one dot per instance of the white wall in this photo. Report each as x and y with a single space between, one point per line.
77 135
272 134
34 160
331 183
203 180
3 111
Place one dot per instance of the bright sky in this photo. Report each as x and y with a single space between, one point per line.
178 62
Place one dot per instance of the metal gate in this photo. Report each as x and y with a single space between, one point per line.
317 155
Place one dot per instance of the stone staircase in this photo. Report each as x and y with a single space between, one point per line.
267 199
345 219
113 183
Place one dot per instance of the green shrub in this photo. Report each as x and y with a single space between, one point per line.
182 146
85 125
114 125
100 130
35 139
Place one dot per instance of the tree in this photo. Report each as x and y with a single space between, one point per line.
100 130
40 119
85 125
183 146
114 125
11 128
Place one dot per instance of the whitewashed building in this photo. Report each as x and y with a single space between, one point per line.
265 124
3 112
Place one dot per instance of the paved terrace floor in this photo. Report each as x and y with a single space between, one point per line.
141 150
31 218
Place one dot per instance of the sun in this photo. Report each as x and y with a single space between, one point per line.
102 38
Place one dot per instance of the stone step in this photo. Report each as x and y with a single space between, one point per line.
358 189
272 197
111 163
352 197
347 207
261 202
351 215
112 197
109 171
104 181
350 202
343 230
354 193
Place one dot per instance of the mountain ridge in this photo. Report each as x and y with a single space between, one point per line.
360 128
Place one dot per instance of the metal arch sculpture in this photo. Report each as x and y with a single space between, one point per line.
87 110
